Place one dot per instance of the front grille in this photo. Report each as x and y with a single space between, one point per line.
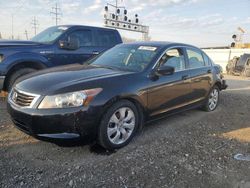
22 99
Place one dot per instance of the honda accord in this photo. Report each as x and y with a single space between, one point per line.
114 94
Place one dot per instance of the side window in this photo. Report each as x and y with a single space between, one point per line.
107 38
206 60
84 37
174 58
195 59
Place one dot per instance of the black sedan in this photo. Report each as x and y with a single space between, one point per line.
114 94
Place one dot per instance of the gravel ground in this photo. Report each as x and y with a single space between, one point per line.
191 149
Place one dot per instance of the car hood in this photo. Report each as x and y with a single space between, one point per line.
16 43
61 79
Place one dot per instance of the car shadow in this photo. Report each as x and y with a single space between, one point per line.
89 141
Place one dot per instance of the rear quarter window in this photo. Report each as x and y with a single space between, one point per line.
195 59
206 60
107 38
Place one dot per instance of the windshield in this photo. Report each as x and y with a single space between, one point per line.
126 57
49 35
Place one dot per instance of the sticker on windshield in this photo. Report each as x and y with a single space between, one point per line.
149 48
63 28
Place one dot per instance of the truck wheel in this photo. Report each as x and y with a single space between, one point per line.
17 74
119 125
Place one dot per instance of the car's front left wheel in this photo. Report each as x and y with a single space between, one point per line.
119 125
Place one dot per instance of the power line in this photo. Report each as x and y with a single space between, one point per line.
56 11
21 5
12 17
26 22
34 24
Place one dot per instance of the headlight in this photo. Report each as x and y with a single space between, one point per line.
67 100
1 58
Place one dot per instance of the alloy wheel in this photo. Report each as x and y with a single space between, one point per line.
121 125
213 99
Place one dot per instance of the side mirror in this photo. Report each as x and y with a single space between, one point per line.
63 44
71 44
165 70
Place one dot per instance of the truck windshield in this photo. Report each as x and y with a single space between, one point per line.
49 35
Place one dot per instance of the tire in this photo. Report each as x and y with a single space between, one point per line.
17 74
245 73
115 131
212 98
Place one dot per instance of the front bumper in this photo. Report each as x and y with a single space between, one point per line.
54 123
2 78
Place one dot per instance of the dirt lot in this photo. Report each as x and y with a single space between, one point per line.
192 149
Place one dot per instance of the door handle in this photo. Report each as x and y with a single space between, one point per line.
209 71
184 77
95 53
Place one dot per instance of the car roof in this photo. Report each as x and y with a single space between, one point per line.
161 44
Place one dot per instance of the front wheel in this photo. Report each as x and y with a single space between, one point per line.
118 125
212 99
13 78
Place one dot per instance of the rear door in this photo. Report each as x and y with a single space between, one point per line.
201 75
171 91
106 39
83 53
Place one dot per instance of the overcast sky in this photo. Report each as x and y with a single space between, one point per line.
199 22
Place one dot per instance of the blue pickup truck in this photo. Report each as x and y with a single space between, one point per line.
55 46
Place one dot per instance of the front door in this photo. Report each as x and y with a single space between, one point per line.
86 50
171 91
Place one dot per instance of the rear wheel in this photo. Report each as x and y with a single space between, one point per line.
118 125
17 74
212 99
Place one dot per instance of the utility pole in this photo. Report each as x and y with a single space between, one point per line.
56 11
0 35
12 26
34 24
26 34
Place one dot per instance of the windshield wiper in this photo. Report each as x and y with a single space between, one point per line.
113 68
101 66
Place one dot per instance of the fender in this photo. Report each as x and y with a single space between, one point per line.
136 100
21 57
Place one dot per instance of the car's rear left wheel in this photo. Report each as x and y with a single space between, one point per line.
118 125
212 99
